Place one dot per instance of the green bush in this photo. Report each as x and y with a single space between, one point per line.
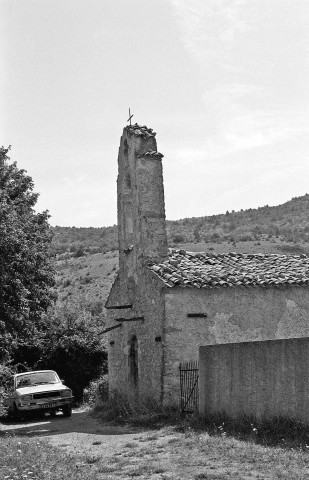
124 408
67 342
97 391
78 357
178 238
6 373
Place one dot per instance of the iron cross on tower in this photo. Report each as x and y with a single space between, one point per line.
130 116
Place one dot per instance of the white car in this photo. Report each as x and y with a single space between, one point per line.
39 391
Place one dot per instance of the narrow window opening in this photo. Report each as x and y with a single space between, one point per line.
133 362
127 176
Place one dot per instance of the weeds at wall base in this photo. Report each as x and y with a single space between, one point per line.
278 431
275 431
144 413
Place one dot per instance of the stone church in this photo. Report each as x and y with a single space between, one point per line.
166 303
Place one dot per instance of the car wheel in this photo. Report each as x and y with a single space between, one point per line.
40 414
67 411
16 414
53 413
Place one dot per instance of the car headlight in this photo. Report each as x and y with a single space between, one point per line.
26 398
66 393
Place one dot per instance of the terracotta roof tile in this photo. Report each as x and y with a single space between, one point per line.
151 153
211 270
139 130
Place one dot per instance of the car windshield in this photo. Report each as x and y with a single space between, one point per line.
36 378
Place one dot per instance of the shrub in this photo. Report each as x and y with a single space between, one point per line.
68 342
6 373
80 252
77 355
292 249
97 391
141 412
275 431
245 238
178 238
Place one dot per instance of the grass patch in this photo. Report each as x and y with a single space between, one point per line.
279 431
34 460
144 413
193 454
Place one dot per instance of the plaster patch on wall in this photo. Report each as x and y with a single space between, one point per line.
224 331
294 322
172 330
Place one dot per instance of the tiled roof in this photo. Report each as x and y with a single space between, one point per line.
151 153
214 270
141 131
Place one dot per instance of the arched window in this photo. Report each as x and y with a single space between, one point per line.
133 362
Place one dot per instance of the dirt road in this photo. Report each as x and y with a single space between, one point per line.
81 433
102 451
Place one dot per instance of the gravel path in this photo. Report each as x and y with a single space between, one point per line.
81 433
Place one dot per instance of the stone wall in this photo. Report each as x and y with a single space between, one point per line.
233 315
142 237
148 303
140 203
260 379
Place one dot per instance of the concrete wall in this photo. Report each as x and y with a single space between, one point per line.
233 315
261 379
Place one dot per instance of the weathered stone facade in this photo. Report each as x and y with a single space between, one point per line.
233 315
137 367
149 304
155 324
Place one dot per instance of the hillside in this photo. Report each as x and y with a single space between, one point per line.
288 223
87 258
85 282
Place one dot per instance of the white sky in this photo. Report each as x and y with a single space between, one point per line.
224 83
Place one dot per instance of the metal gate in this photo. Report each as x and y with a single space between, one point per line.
189 386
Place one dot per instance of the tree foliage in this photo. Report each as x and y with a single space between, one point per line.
74 349
26 273
69 344
35 332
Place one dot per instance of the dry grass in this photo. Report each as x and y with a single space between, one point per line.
217 447
139 413
90 276
162 455
33 459
279 431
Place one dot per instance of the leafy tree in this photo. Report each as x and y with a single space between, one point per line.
26 274
72 347
69 344
6 373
